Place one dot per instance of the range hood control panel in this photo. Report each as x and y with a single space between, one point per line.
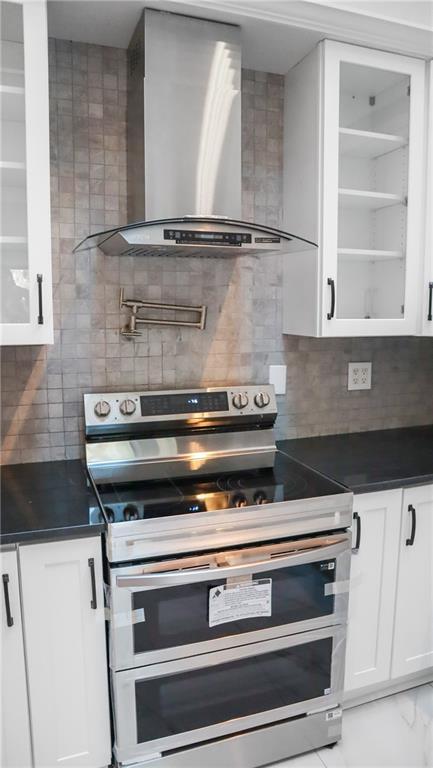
192 236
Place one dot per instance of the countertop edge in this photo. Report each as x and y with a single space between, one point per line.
51 534
389 485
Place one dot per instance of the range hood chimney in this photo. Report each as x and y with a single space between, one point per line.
184 118
184 145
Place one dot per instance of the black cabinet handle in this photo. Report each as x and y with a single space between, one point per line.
91 562
331 282
41 313
430 302
411 539
9 619
357 518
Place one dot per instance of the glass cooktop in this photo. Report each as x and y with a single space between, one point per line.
288 480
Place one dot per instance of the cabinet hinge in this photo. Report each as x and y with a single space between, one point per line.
408 90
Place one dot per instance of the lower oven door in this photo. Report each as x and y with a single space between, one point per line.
166 706
169 610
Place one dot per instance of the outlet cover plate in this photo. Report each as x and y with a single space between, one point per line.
277 377
359 376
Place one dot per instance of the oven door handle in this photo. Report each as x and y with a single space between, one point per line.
173 578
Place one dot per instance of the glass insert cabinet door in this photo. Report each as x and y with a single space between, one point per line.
372 190
158 623
25 236
165 706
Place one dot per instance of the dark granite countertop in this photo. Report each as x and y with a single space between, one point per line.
45 500
369 461
51 499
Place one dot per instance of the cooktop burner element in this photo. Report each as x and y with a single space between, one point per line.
171 481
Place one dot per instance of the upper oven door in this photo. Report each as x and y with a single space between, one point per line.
178 608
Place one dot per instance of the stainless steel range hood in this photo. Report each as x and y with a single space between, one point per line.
184 145
193 236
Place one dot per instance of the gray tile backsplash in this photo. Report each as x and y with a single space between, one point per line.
42 387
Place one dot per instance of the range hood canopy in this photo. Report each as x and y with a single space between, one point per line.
194 236
184 145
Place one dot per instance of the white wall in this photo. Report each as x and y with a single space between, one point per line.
417 13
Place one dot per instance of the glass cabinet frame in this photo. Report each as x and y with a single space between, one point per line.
27 84
336 56
426 323
374 167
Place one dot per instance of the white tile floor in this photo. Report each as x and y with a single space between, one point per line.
390 732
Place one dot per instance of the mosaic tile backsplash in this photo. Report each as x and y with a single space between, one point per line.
42 387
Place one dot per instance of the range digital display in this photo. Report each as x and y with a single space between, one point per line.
193 402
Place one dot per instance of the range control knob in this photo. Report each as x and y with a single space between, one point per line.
262 399
102 409
259 497
239 500
130 512
127 407
240 400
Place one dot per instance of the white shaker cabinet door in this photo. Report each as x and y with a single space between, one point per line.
64 630
375 529
15 749
413 636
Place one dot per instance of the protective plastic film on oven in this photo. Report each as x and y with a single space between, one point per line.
183 612
169 705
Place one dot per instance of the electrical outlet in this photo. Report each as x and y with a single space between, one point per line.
277 377
359 376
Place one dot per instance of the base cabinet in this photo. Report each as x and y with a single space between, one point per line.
64 630
413 643
15 750
390 629
376 526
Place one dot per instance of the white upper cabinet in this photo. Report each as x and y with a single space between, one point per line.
353 183
25 230
427 287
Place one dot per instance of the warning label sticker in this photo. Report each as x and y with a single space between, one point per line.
242 600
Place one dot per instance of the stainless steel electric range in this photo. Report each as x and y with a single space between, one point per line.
227 571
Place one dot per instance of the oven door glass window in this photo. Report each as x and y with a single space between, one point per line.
198 698
179 615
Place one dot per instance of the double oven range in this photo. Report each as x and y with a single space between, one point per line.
227 572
